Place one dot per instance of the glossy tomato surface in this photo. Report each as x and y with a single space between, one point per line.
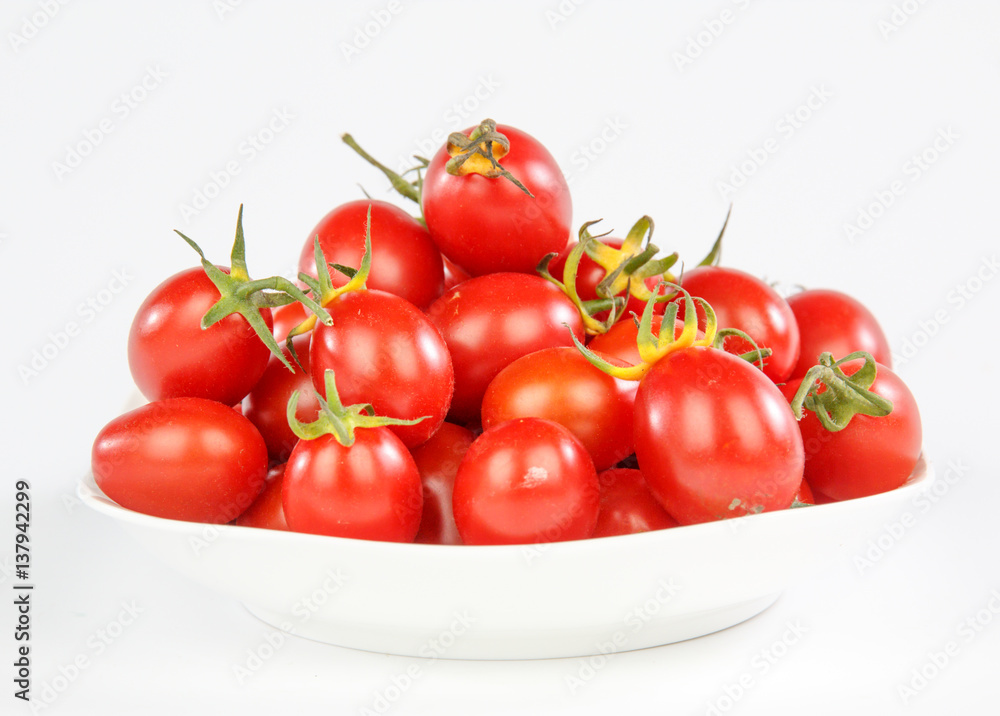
488 225
438 460
715 438
558 384
370 490
743 301
490 321
627 505
384 351
183 459
405 261
170 356
526 481
266 511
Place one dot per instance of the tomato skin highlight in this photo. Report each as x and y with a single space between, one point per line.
558 384
405 261
384 351
488 225
266 511
741 300
185 459
170 356
833 322
438 460
526 481
370 490
627 505
871 455
266 404
488 322
715 438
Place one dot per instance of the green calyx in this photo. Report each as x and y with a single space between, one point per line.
480 153
336 419
844 395
755 356
239 294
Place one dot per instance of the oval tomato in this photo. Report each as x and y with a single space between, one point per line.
558 384
405 261
266 511
183 459
490 321
385 352
745 302
370 490
170 356
833 322
627 505
438 460
715 438
488 225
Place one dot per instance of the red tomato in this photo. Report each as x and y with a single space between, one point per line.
170 356
266 511
385 352
715 438
286 318
745 302
370 490
487 225
620 340
558 384
627 505
438 460
490 321
833 322
266 405
453 274
183 459
526 481
805 494
870 455
405 261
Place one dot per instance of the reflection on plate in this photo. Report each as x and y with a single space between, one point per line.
512 602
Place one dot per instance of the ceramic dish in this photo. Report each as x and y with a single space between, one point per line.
511 602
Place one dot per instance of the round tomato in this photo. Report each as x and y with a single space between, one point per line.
620 341
286 318
266 511
453 275
526 481
438 460
405 261
266 405
370 490
185 459
558 384
490 321
745 302
170 356
715 438
833 322
627 505
870 455
487 224
385 352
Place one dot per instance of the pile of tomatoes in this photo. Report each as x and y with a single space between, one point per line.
475 375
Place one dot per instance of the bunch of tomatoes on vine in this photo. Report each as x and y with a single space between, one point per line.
481 374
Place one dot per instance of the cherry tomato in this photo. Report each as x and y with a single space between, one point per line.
370 490
266 405
405 261
183 459
560 385
170 356
620 340
833 322
715 438
745 302
438 460
805 494
453 274
266 511
286 318
870 455
627 505
385 352
526 481
490 321
488 225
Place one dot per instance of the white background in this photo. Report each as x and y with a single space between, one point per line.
638 131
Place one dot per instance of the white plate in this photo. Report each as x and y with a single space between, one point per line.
512 602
